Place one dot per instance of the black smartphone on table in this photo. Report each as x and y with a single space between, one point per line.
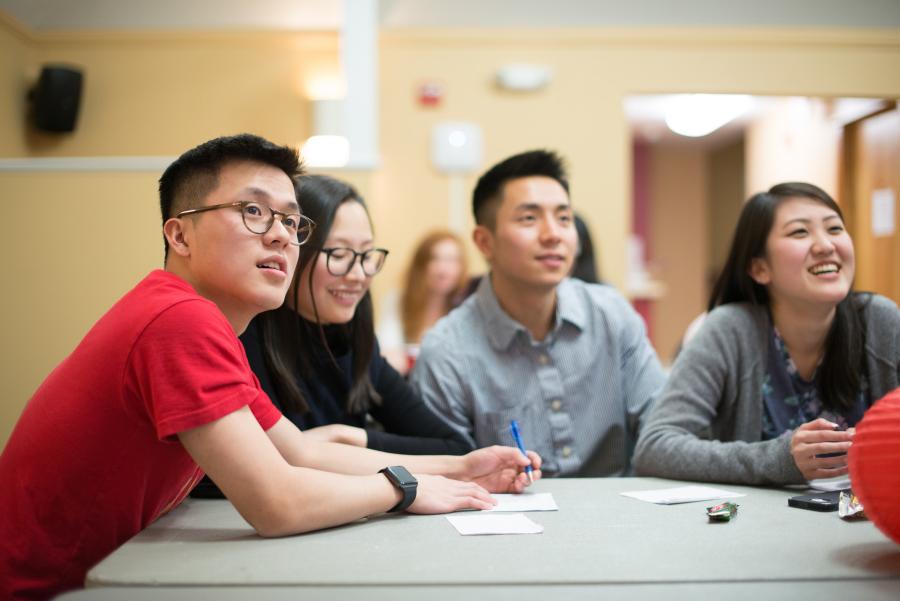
822 501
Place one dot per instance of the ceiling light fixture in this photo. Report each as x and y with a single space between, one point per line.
697 115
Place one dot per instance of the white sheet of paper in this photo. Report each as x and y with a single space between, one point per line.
493 523
539 501
830 484
682 494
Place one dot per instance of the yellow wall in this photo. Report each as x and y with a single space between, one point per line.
793 140
80 241
158 94
678 226
14 53
580 112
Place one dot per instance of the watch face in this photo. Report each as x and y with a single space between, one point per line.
401 475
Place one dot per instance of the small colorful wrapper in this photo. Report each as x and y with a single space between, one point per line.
723 512
849 507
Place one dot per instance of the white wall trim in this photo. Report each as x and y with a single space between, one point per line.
133 163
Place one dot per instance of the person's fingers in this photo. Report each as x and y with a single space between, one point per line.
829 462
522 482
820 423
822 467
519 483
479 490
470 502
535 460
473 496
822 448
514 456
442 495
812 436
827 473
814 450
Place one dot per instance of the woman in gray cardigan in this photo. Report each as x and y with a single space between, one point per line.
787 360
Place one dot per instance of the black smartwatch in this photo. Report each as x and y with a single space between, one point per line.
400 477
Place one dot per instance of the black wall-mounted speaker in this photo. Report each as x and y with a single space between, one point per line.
56 98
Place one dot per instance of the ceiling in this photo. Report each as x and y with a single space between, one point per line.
78 15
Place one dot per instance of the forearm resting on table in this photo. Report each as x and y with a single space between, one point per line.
311 500
339 433
277 498
301 450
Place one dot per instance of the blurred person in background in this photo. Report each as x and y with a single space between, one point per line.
434 284
585 267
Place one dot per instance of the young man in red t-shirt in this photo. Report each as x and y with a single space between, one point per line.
159 391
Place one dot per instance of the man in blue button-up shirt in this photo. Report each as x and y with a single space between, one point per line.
569 361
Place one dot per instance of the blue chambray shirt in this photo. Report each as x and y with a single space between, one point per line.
578 395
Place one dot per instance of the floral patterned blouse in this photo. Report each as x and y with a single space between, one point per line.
789 400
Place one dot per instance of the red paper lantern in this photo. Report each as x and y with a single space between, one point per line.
875 464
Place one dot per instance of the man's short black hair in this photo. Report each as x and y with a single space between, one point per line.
195 173
489 189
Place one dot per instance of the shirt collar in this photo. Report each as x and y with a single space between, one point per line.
502 329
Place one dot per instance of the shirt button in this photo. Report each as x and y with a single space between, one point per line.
556 405
566 451
543 359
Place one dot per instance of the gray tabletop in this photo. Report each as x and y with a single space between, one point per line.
828 590
598 537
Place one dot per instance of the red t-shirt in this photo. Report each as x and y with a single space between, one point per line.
94 458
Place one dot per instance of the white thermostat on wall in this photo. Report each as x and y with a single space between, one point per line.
457 147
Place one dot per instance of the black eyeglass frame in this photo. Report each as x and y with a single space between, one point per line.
273 213
328 252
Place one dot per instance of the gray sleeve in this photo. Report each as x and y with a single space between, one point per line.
437 377
883 345
711 391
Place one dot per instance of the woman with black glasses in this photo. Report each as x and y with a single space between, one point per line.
317 356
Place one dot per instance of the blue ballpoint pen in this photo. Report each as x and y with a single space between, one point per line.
514 430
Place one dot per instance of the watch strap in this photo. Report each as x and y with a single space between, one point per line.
407 488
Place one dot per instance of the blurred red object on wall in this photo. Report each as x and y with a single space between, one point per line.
430 93
875 464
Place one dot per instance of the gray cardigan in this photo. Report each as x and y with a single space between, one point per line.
707 422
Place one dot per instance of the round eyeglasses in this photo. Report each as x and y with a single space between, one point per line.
259 217
340 260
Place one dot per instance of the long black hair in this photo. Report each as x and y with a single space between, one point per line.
584 268
844 359
287 340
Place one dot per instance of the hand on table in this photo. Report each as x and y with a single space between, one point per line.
437 494
500 469
816 438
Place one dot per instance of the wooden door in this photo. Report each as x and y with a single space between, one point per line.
872 164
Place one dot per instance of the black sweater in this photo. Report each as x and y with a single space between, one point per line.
404 424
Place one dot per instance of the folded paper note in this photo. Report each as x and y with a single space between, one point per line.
493 523
682 494
541 501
